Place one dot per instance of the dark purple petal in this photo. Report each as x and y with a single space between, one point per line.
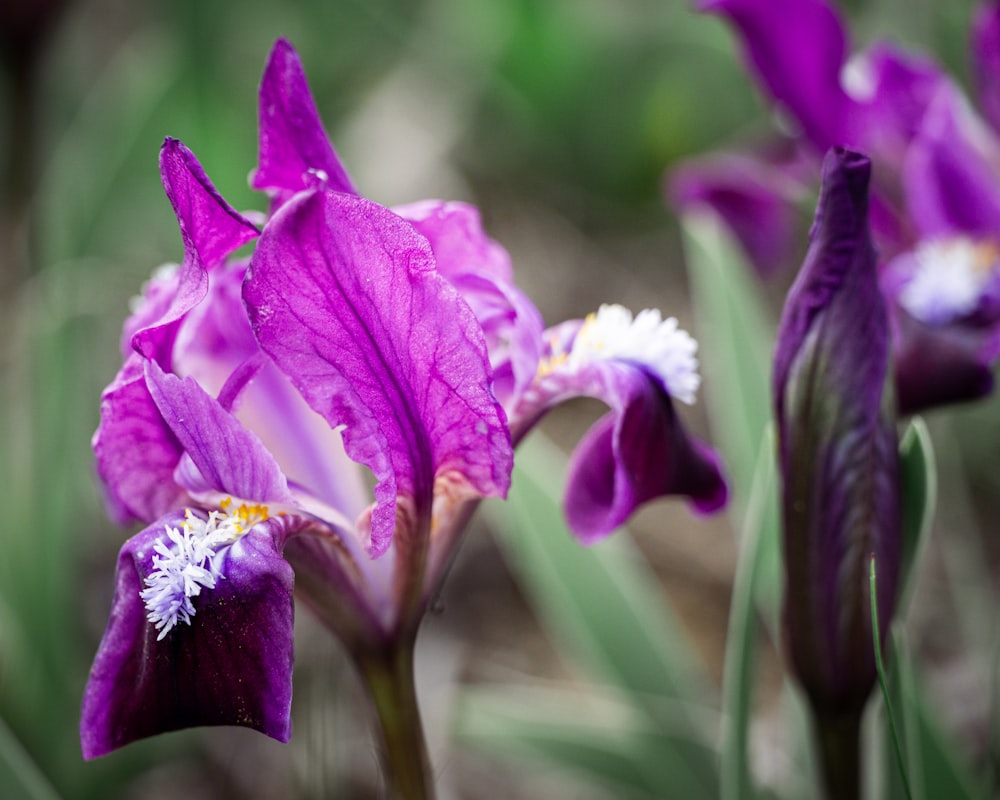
343 295
952 172
754 198
637 453
837 447
229 457
940 365
292 140
986 60
231 666
797 48
135 451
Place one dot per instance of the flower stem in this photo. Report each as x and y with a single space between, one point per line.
388 673
839 739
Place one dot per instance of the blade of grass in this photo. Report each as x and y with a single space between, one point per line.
601 603
760 526
918 489
884 684
20 776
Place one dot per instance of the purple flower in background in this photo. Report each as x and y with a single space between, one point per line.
256 395
935 204
838 460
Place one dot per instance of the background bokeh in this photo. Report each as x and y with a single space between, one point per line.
558 118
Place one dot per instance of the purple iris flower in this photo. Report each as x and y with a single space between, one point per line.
256 395
838 456
935 203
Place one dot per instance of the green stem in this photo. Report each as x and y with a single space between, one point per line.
388 674
839 738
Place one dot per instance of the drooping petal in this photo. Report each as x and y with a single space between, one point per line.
940 365
229 457
231 666
756 198
837 447
986 60
797 49
343 295
637 453
638 366
135 451
292 140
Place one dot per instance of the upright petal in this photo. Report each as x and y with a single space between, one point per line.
231 666
837 448
986 60
136 450
950 176
343 295
292 140
797 48
481 271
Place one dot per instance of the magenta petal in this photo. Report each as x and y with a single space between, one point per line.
797 48
292 139
638 452
986 60
211 230
343 295
230 458
754 196
951 171
231 666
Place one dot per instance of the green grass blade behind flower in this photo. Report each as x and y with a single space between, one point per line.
600 602
884 684
736 342
760 528
918 490
587 733
20 777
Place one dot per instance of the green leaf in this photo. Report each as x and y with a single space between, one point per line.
918 494
588 733
760 536
736 340
20 776
602 603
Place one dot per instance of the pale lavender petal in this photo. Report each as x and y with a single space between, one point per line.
343 295
460 244
293 142
481 271
230 458
797 49
231 666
